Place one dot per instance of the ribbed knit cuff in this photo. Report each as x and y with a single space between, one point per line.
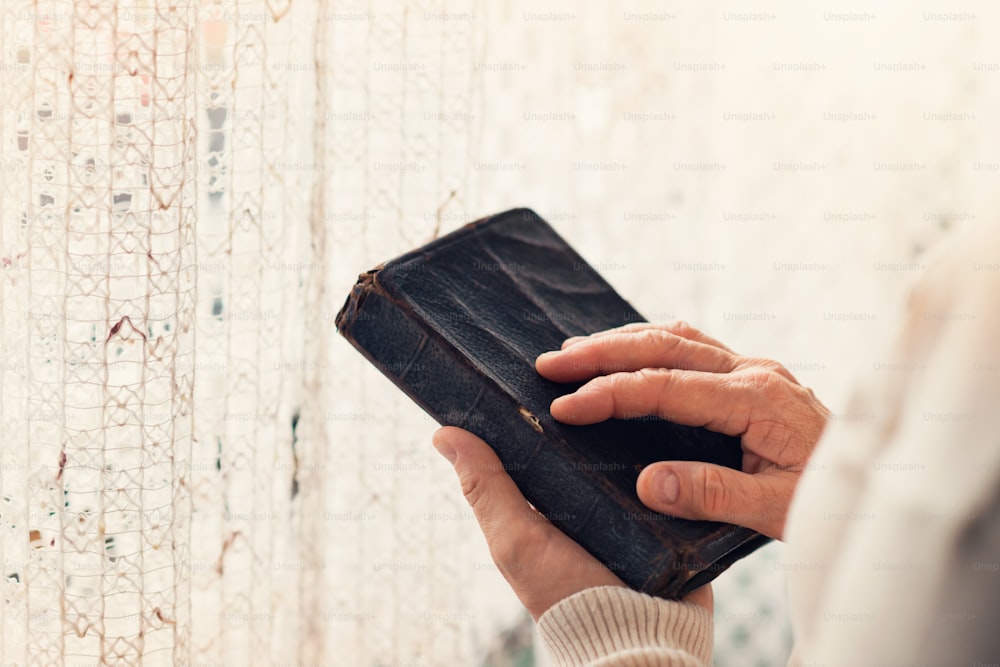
599 623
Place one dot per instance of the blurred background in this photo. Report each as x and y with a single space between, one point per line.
198 469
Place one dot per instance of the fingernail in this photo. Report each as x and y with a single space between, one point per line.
446 450
549 354
571 340
666 486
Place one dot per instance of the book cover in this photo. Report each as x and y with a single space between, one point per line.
457 325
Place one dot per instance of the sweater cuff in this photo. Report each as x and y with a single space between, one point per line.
601 622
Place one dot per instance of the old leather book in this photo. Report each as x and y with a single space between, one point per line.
457 325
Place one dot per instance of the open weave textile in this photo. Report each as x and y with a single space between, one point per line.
179 456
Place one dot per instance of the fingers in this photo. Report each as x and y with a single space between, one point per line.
703 491
693 398
631 351
775 417
678 328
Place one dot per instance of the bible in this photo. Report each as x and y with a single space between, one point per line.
457 325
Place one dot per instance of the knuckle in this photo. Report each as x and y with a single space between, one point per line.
650 382
473 488
640 392
620 386
651 337
770 366
683 329
711 493
628 329
651 375
662 342
763 380
660 385
602 384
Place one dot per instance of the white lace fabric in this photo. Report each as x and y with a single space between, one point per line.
182 181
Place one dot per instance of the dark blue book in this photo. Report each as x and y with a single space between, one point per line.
457 325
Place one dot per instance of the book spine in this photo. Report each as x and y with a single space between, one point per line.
419 361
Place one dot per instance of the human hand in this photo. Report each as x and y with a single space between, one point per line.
679 373
538 560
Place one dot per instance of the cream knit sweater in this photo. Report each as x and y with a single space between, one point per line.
894 532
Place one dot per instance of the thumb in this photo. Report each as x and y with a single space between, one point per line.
541 563
495 499
708 492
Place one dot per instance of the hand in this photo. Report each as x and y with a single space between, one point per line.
538 560
687 377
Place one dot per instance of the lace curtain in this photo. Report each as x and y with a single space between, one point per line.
196 470
180 178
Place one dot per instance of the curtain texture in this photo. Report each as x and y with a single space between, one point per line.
179 179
